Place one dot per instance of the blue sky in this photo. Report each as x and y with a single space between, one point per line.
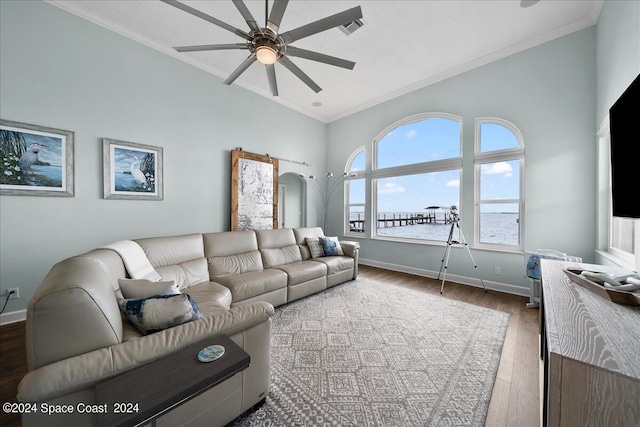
122 161
52 153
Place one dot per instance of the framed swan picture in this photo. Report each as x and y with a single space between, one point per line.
132 171
35 160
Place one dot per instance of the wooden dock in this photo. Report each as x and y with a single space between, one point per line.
402 219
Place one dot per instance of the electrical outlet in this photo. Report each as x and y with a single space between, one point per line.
497 271
15 294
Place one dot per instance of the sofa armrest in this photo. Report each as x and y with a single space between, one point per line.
88 369
350 248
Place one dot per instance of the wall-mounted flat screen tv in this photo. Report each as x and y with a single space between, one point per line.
624 122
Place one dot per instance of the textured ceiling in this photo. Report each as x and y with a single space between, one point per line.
404 45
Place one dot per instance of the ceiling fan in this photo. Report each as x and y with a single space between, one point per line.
268 46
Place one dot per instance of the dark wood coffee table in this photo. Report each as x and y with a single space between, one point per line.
165 383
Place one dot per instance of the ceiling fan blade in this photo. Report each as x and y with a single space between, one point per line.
322 25
320 57
206 17
241 69
244 11
275 17
204 47
271 74
298 72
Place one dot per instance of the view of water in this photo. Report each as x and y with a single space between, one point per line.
124 181
496 228
53 173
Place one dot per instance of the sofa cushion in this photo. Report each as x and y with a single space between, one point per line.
280 256
278 247
274 239
210 297
143 288
160 312
229 243
336 264
315 248
220 266
177 258
303 271
330 246
301 235
253 283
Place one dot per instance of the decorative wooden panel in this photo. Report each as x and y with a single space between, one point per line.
254 191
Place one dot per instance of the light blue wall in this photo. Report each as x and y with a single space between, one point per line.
618 52
549 93
60 71
618 59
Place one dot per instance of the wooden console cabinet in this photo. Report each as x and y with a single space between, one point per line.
591 353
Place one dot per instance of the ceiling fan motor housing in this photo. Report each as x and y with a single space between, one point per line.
266 40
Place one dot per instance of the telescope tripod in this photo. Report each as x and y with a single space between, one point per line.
447 252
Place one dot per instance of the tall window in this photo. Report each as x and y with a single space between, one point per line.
417 169
354 191
499 171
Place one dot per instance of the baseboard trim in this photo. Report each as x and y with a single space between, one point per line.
13 317
495 286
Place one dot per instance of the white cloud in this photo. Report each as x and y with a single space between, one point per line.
498 169
453 183
411 133
390 188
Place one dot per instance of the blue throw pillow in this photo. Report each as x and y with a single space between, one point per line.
331 246
160 312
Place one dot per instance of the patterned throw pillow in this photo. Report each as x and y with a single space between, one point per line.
331 246
314 247
160 312
143 288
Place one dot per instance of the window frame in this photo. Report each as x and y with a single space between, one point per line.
507 154
411 169
347 195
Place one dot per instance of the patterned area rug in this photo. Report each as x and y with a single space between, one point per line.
366 353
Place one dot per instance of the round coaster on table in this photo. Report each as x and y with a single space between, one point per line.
210 353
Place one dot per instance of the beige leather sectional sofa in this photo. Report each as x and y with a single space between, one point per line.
77 337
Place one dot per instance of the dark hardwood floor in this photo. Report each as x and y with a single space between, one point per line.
515 400
13 366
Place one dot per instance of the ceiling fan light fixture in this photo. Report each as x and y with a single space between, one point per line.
266 55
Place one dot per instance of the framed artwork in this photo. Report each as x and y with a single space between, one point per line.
254 191
131 171
35 160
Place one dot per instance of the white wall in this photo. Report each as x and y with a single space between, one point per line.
618 59
548 92
60 71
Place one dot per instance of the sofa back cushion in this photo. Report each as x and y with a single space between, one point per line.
177 258
72 312
231 252
301 234
278 247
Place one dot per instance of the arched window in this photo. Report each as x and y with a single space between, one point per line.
417 170
354 193
499 184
